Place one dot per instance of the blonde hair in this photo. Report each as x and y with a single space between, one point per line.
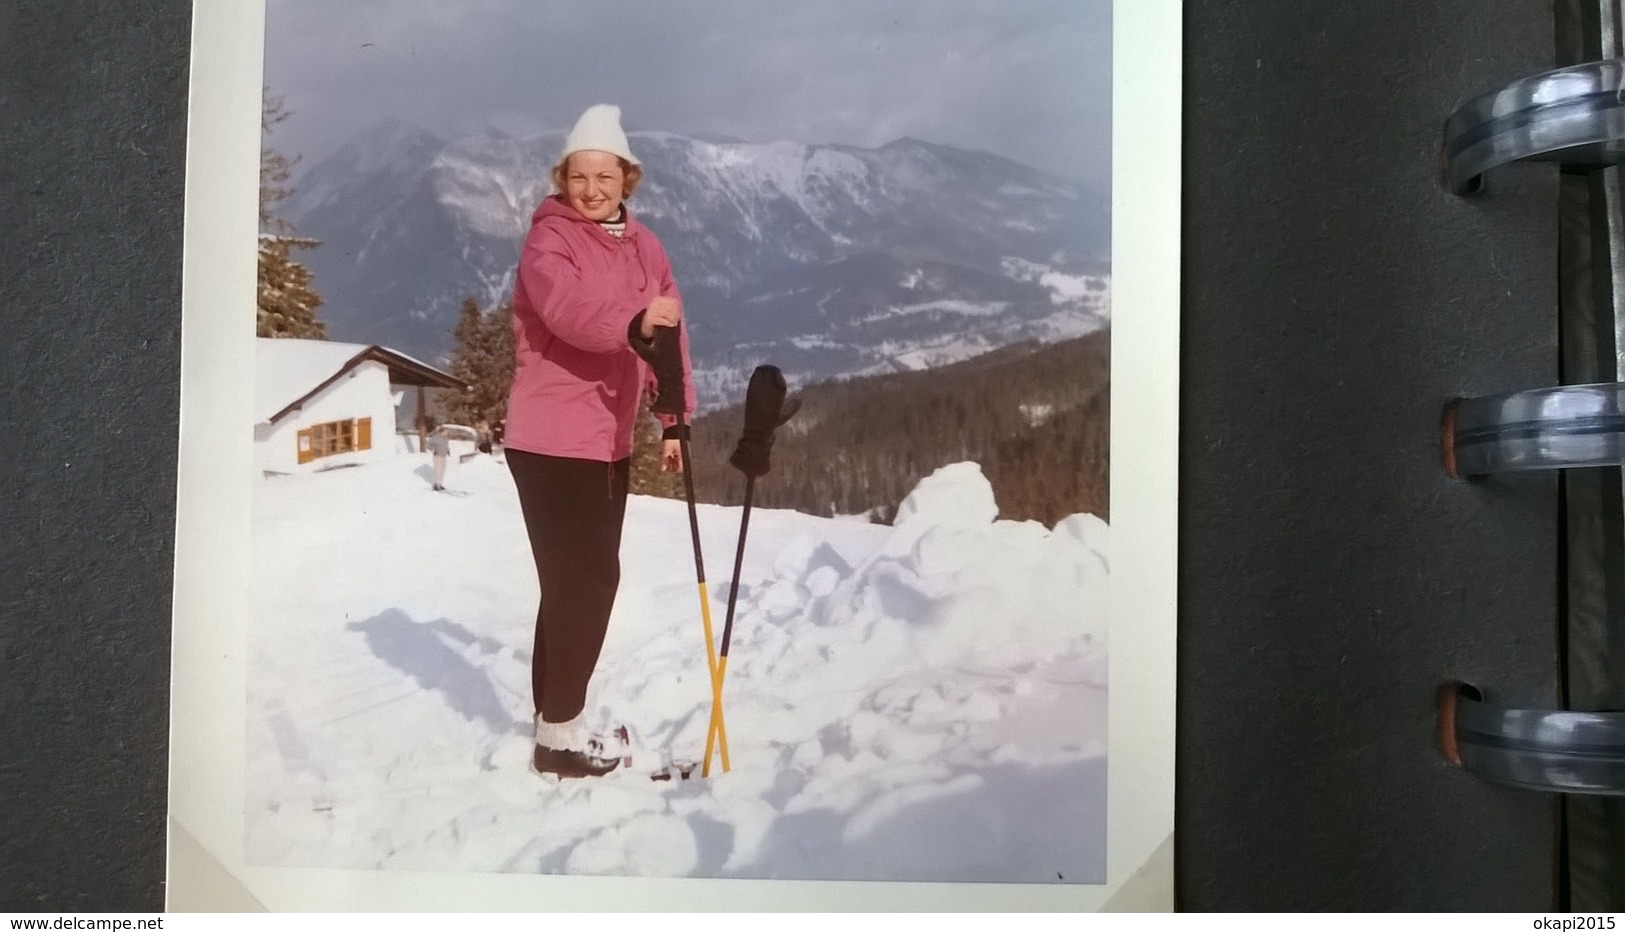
632 175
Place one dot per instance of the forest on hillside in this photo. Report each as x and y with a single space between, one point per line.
1035 417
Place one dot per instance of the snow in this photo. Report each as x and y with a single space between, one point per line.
924 701
751 175
1068 287
285 370
814 341
940 352
1037 414
944 306
1020 189
1068 323
1065 289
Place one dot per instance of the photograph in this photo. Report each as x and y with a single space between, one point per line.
682 447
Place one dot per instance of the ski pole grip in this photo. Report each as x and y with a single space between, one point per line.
664 354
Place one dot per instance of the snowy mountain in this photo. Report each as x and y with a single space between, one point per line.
825 260
925 701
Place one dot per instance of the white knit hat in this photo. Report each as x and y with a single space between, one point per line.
599 128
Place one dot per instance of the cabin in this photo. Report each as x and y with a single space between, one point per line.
320 404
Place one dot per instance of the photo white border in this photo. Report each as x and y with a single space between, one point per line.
209 706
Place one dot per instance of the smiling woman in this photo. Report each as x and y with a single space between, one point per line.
591 280
595 182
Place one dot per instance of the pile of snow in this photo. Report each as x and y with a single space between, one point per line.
918 702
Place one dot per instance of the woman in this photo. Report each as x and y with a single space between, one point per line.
591 280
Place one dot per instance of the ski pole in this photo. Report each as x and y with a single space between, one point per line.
716 726
717 732
765 411
663 352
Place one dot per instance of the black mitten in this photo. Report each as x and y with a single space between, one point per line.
765 410
664 354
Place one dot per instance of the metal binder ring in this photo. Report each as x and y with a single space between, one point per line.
1562 752
1574 115
1565 427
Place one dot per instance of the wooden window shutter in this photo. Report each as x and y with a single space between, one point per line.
363 434
307 449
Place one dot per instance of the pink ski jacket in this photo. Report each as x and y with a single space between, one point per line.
577 381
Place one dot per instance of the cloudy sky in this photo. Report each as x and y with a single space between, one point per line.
1027 79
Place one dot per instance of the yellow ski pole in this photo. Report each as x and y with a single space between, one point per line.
766 409
716 732
663 352
727 629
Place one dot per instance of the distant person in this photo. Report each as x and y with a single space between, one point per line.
482 435
440 448
591 280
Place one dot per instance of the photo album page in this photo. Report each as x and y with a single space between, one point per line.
667 457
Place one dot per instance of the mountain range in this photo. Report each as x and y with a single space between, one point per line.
825 260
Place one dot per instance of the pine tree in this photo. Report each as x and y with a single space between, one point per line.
287 302
647 477
471 364
1035 418
499 334
482 358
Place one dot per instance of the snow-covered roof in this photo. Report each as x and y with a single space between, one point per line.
287 371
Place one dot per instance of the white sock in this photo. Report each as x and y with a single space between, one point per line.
562 736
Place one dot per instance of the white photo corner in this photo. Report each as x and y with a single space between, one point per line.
492 591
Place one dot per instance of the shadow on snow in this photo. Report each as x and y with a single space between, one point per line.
964 837
428 653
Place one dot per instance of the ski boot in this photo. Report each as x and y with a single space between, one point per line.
565 750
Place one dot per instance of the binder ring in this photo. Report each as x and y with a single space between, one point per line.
1574 115
1565 427
1560 752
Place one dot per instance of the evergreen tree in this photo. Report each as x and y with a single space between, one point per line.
275 168
287 302
482 358
647 477
1036 419
499 335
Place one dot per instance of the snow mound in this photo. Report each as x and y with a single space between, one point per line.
957 495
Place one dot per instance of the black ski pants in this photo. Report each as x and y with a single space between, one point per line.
573 512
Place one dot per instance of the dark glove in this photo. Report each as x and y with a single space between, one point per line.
765 411
664 354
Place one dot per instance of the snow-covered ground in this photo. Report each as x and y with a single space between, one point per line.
919 702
